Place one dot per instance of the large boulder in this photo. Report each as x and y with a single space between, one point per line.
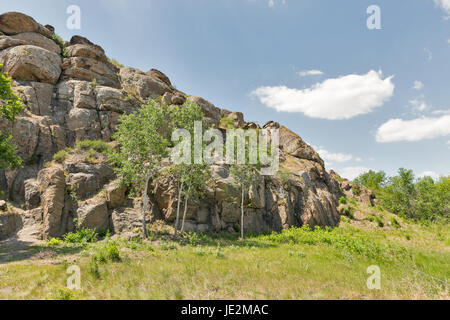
135 82
29 38
10 223
292 144
89 69
93 214
31 63
52 182
15 22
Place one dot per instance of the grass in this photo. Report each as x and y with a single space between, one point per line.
295 264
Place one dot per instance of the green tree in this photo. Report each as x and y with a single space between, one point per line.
191 177
10 107
399 195
372 180
143 139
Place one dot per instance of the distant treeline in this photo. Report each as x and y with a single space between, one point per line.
420 199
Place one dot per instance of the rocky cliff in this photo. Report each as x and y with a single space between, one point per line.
73 92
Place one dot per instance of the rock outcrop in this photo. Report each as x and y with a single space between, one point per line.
79 95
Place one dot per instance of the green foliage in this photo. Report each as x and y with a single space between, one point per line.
8 153
143 138
97 145
348 212
372 180
356 190
108 252
347 242
424 199
227 123
379 221
61 155
53 242
81 236
343 200
395 223
116 63
10 107
60 42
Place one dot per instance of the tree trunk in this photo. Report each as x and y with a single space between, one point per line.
178 212
242 213
144 205
185 209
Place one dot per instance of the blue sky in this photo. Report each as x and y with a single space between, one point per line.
376 99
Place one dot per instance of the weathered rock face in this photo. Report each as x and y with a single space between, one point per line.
80 97
352 190
31 63
12 23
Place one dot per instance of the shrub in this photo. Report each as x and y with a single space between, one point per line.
82 236
227 123
379 222
97 145
54 242
93 267
356 190
343 200
60 42
395 223
61 155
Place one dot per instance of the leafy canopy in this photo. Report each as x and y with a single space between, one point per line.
10 107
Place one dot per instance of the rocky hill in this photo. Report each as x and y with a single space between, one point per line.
73 92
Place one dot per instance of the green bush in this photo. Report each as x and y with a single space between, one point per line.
60 42
395 223
343 200
61 155
54 242
379 222
82 236
356 190
339 238
97 145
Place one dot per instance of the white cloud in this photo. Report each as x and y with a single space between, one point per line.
351 173
413 130
272 3
418 85
419 104
444 4
340 98
439 112
310 73
334 157
431 174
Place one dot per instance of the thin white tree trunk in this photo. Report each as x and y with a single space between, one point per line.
144 205
178 212
185 209
242 213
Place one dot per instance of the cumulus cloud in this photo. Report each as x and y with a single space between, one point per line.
334 99
419 104
351 173
444 4
334 157
310 73
418 85
423 128
430 174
